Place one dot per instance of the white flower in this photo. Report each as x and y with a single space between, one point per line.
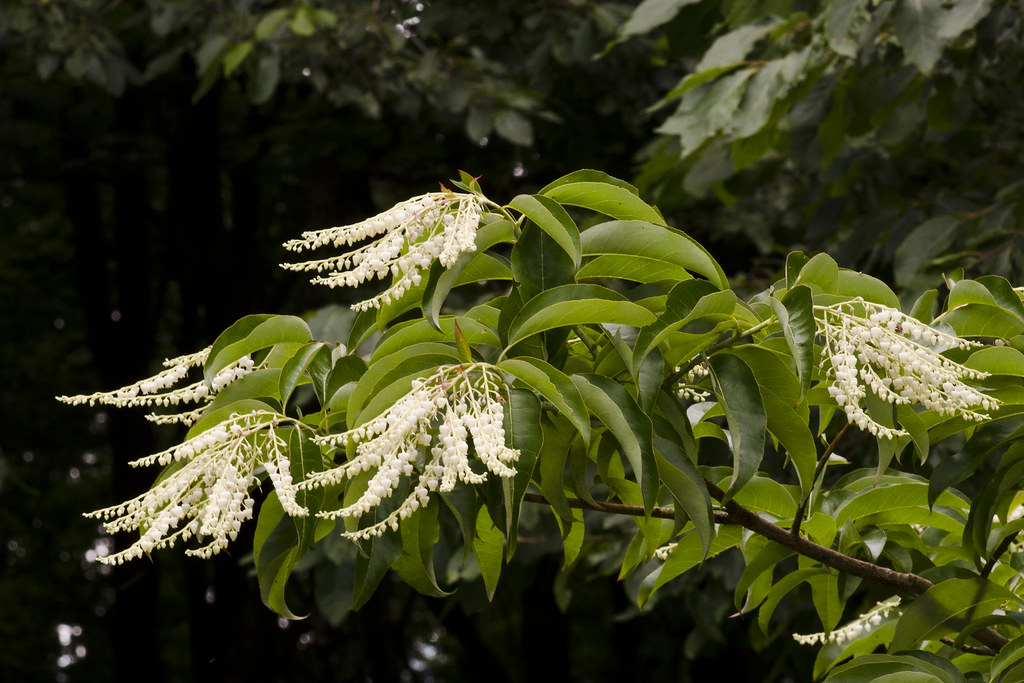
871 346
157 391
865 623
407 238
442 411
207 496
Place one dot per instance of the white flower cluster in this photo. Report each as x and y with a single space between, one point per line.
864 624
689 390
871 346
157 391
456 402
208 495
407 238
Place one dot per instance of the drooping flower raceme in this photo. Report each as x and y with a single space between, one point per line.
871 346
407 238
424 436
882 612
157 391
208 495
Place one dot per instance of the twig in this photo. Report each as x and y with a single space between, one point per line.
798 519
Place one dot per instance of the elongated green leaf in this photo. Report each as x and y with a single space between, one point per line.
782 588
420 532
650 14
687 554
416 360
631 267
1010 655
523 414
899 501
489 550
275 552
650 241
796 316
821 274
610 200
553 219
914 667
764 561
611 403
946 607
296 366
575 305
553 385
372 563
538 264
741 400
250 334
688 489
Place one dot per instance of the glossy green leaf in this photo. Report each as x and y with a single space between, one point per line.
539 264
523 415
686 485
553 219
946 607
378 385
575 305
631 267
250 334
915 667
275 552
372 563
650 14
796 316
689 301
295 368
611 200
687 554
612 405
740 398
649 241
781 589
555 386
489 550
420 532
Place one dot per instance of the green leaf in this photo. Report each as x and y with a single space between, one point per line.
705 111
650 14
270 22
795 313
377 386
553 385
782 588
821 274
489 550
609 401
403 335
642 269
250 334
553 219
294 369
1010 655
697 78
741 400
655 242
611 200
575 305
914 667
538 264
687 554
832 129
689 301
264 79
918 23
925 242
523 414
235 55
372 563
514 127
688 489
275 552
962 16
946 607
420 532
302 23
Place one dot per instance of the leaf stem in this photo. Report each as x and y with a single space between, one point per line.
819 468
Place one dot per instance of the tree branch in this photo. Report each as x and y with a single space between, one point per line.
734 513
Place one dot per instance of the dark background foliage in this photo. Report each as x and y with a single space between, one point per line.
154 155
